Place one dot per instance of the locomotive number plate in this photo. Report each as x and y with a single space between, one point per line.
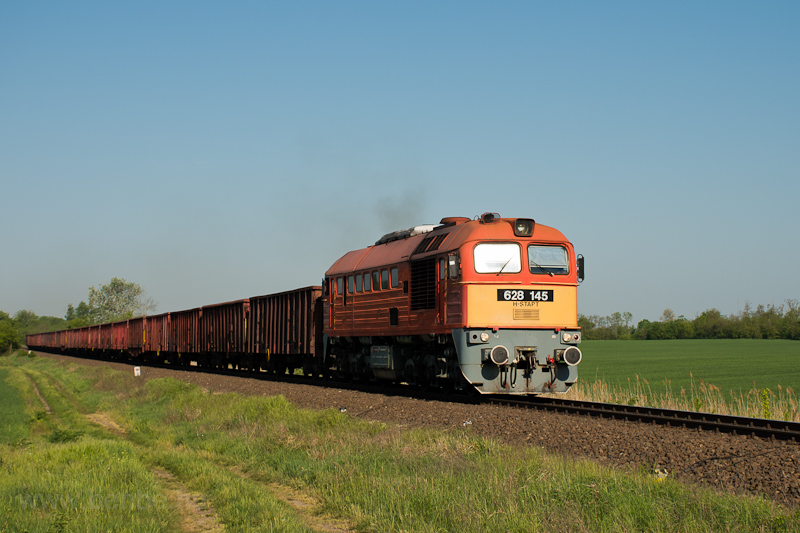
521 295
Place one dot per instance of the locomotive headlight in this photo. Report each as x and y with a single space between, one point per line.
523 227
566 337
484 337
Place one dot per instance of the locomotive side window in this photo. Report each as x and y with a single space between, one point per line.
548 260
350 281
395 279
366 282
358 283
497 258
442 268
376 281
453 266
384 279
339 286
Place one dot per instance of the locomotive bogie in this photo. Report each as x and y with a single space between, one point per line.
428 361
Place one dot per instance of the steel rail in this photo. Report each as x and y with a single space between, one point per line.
738 425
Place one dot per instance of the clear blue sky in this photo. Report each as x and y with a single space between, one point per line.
211 151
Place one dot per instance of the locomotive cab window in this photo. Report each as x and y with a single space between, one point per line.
384 279
551 260
376 280
358 283
366 282
339 286
497 258
395 278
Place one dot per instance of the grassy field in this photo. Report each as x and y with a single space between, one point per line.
12 411
744 376
109 452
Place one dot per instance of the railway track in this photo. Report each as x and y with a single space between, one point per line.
737 425
755 427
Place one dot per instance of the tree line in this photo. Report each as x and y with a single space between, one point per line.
763 322
113 301
121 300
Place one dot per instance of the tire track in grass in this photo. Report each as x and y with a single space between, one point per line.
105 420
197 514
307 507
39 394
195 511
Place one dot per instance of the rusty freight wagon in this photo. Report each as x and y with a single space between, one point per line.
274 332
286 331
183 337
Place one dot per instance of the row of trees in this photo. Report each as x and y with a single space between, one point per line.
14 328
763 322
116 300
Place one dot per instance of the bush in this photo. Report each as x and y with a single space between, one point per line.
8 334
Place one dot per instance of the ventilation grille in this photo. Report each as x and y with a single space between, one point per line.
430 243
526 314
423 284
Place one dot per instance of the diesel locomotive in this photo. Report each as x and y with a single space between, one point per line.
486 304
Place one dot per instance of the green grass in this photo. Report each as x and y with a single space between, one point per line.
14 427
250 457
88 485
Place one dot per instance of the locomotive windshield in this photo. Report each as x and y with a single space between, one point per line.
548 260
496 258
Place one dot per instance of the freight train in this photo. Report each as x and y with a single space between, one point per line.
486 304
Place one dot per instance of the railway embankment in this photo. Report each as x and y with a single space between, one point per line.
351 460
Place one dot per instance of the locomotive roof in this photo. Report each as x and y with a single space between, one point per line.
458 231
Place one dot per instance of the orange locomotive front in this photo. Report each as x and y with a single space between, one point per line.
487 304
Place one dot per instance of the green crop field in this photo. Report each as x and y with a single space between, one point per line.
730 364
710 375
